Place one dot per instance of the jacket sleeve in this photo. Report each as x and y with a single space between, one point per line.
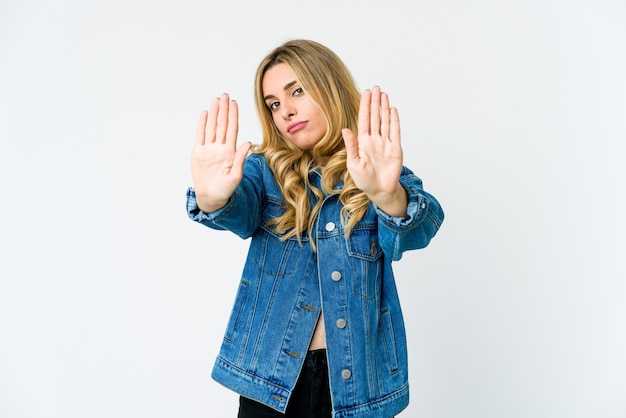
242 213
424 217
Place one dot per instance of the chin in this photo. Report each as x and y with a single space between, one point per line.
303 147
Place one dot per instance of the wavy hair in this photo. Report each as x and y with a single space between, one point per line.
326 79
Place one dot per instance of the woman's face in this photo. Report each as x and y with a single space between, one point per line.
295 114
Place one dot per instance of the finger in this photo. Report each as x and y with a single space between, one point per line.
384 115
212 120
394 127
375 111
222 119
352 147
241 154
233 123
364 113
200 130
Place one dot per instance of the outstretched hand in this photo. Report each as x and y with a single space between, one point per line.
216 162
374 158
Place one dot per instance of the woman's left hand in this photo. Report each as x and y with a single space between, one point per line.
374 158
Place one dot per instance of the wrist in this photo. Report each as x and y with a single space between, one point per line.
392 203
207 205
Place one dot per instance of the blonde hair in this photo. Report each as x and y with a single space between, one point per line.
328 82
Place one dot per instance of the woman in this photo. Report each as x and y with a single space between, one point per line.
316 329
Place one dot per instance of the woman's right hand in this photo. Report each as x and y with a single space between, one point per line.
216 162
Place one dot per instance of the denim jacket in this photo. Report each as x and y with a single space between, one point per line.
285 285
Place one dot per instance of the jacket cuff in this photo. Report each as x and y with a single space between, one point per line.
415 208
196 214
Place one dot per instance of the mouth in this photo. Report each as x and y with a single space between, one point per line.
296 126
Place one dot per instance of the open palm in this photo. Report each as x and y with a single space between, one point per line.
374 158
216 162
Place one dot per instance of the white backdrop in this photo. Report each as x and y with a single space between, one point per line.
113 303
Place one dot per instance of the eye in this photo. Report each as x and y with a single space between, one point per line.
273 105
298 91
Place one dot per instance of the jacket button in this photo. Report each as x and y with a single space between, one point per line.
346 374
373 250
336 276
330 226
341 323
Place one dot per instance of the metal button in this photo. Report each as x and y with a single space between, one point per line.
341 323
330 226
373 250
346 374
336 276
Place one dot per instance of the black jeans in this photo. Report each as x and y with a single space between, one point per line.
310 398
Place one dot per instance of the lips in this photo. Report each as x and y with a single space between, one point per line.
296 126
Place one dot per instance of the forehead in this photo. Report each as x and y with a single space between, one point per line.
277 77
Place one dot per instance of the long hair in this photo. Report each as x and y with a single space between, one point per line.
326 79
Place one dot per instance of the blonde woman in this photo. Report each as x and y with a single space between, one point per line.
316 328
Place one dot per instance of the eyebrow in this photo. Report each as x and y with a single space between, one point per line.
287 87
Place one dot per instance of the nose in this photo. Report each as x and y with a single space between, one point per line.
287 110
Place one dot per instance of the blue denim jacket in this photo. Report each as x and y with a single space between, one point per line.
285 286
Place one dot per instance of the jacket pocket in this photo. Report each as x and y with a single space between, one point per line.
365 262
274 257
272 254
238 314
388 342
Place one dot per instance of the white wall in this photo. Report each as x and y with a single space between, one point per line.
113 303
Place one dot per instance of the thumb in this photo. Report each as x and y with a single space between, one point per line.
241 154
